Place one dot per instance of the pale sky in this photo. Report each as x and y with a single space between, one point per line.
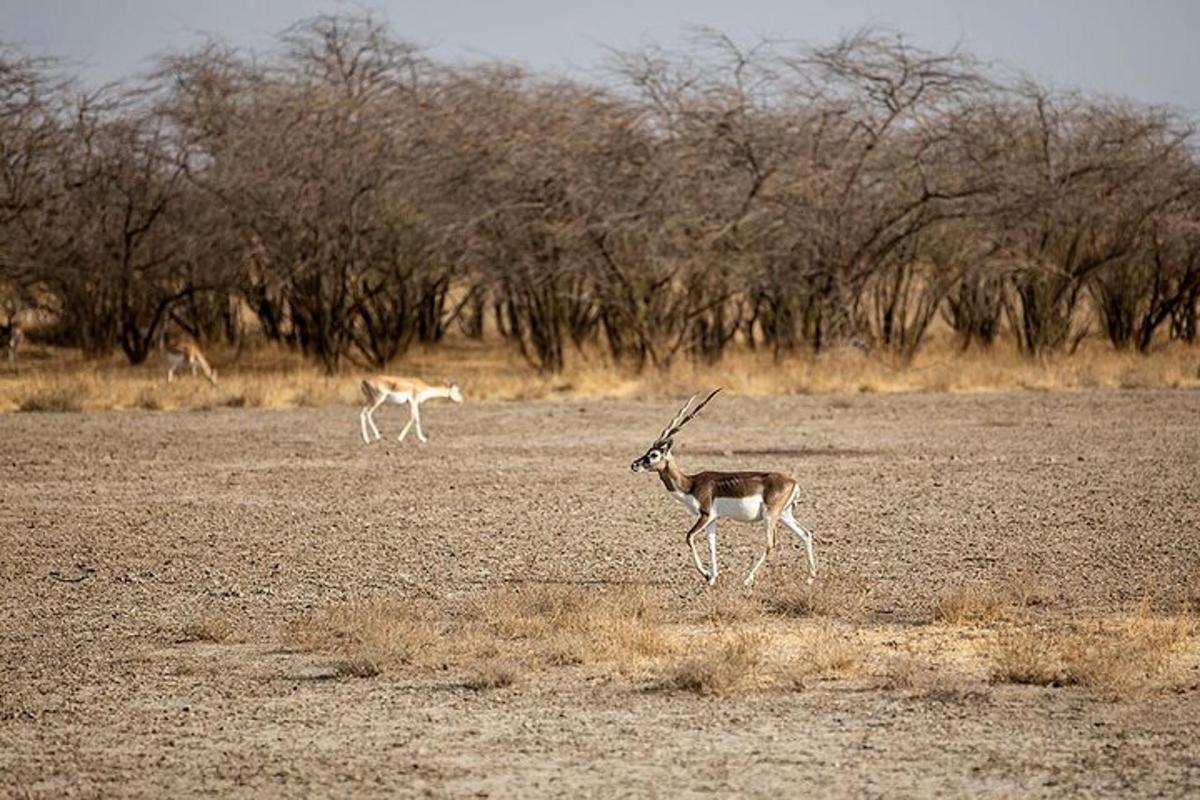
1144 50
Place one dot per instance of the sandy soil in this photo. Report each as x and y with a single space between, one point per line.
119 529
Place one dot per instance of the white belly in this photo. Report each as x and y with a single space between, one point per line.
741 509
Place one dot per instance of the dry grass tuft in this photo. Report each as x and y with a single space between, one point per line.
58 399
209 628
923 678
733 666
905 670
1119 659
367 636
493 675
618 627
148 400
729 603
741 659
829 595
1028 656
954 690
823 654
975 603
360 665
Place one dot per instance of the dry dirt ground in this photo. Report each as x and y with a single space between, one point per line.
120 530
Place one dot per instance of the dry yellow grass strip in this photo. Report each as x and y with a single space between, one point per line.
52 379
502 636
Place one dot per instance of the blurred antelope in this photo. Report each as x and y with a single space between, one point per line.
184 351
381 389
740 496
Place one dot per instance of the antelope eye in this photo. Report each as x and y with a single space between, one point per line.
654 455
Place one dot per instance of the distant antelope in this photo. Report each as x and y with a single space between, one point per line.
11 337
185 351
381 389
740 496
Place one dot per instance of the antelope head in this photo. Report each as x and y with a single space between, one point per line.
656 457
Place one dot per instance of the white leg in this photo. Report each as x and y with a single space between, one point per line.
412 408
367 417
766 551
362 421
712 553
702 521
806 537
371 419
416 415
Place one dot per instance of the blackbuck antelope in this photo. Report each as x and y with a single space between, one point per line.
740 496
10 339
185 351
382 389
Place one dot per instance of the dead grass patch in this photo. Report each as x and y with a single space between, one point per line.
988 603
524 627
924 678
729 603
1117 658
905 670
823 654
742 659
148 400
367 636
359 665
493 675
57 399
563 625
953 690
830 594
733 666
975 603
